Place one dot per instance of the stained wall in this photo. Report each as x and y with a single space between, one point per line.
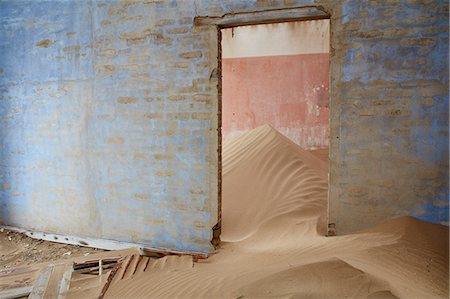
389 113
277 74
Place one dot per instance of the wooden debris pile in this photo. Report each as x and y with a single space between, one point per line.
88 277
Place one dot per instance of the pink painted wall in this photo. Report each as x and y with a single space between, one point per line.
276 86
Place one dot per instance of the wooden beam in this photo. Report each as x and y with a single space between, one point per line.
131 269
65 281
41 282
123 268
110 278
158 253
16 293
264 17
95 269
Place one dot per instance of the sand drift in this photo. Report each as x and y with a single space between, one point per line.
274 209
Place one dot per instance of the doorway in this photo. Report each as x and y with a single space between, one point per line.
277 75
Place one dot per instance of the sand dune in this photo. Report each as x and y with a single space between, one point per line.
340 280
274 207
268 182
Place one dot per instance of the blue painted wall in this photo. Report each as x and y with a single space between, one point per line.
104 133
391 108
46 89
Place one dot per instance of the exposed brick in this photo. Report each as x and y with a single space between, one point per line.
202 97
180 115
180 64
164 22
106 68
154 115
140 76
137 37
135 59
180 30
164 157
201 115
71 48
153 99
165 173
155 221
107 52
190 55
45 43
115 140
126 100
177 97
106 22
116 11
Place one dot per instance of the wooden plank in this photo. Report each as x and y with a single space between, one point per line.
95 266
123 268
105 255
95 262
264 17
40 285
65 281
132 266
126 266
111 277
158 253
54 281
95 269
16 293
100 267
142 264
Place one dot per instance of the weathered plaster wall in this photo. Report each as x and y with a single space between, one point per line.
389 108
108 120
278 74
108 116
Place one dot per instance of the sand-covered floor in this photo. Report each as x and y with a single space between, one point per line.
274 208
17 250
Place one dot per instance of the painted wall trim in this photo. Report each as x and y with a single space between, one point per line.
264 17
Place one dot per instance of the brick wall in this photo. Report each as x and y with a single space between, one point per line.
108 116
389 113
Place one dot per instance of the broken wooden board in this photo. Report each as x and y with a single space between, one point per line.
41 283
158 253
110 278
52 282
97 266
19 281
82 276
16 293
